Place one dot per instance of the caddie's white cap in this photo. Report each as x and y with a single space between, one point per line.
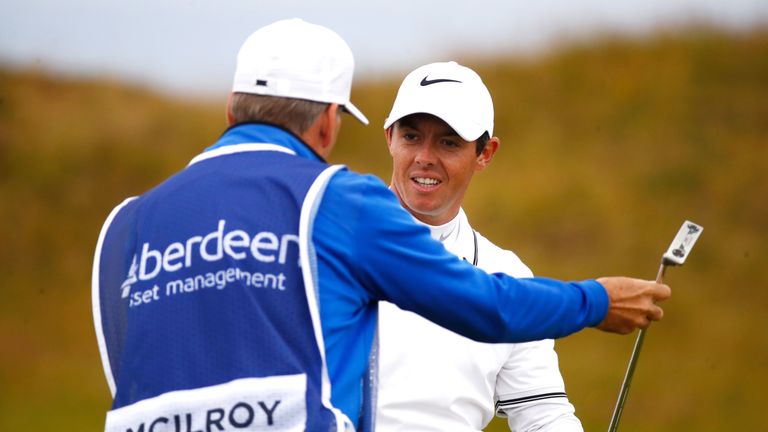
450 91
295 59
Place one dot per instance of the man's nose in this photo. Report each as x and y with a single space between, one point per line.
425 155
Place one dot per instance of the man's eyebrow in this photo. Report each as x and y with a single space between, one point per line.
406 123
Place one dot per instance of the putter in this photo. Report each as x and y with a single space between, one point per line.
674 256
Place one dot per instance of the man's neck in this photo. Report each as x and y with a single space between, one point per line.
444 231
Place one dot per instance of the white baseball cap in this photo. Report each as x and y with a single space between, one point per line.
449 91
295 59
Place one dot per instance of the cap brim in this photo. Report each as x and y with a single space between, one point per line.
350 108
465 129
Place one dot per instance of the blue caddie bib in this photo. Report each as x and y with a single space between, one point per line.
205 303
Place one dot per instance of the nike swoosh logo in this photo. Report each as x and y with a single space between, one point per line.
426 82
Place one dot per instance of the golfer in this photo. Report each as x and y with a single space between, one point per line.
439 133
242 292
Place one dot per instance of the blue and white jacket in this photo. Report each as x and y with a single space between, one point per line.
252 278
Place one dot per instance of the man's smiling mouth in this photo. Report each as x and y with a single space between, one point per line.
425 181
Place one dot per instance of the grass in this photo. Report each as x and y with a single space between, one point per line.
606 148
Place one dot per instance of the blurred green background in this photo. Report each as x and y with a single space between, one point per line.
607 146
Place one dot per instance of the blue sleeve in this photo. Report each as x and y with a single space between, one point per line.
395 259
369 249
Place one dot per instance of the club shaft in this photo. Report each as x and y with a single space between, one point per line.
613 426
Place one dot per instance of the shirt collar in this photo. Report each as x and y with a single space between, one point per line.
447 231
456 235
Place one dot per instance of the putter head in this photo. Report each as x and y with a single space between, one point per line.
682 244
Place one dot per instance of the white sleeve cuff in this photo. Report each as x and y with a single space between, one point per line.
542 413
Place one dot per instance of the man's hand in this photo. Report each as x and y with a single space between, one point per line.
632 303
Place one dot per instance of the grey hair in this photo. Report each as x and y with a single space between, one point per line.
296 115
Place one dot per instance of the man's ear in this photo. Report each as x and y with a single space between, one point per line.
485 157
230 116
388 137
329 128
323 133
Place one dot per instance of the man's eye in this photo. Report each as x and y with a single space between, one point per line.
409 136
450 143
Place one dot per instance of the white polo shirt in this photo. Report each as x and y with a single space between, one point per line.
432 379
